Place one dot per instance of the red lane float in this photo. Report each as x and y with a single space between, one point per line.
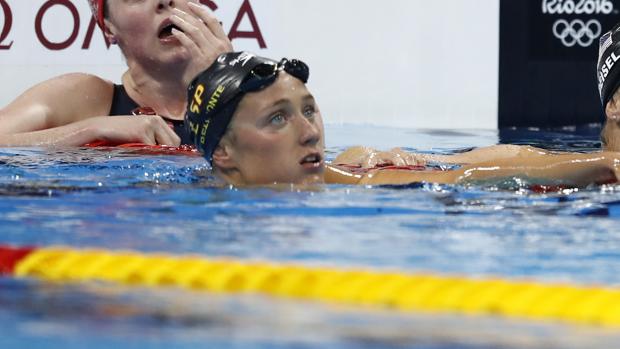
10 256
146 149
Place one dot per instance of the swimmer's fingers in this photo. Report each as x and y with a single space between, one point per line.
152 130
408 159
378 159
164 134
146 128
214 25
353 156
391 159
203 46
201 33
188 43
190 29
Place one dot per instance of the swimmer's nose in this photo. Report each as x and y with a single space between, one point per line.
166 3
310 131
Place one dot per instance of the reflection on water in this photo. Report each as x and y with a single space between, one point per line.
123 199
99 315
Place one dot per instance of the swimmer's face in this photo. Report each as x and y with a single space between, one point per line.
610 135
276 136
142 28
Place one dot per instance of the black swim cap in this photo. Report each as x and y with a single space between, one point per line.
214 95
608 72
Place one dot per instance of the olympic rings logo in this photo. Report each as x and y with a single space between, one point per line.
577 32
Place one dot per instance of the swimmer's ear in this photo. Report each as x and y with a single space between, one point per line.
612 109
222 158
108 33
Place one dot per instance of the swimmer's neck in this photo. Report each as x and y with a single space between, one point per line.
165 93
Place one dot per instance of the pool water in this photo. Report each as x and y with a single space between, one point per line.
125 199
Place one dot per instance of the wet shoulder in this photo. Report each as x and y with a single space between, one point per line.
83 95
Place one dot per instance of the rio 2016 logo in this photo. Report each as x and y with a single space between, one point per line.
245 12
581 32
578 7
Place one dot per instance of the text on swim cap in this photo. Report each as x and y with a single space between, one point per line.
197 100
243 58
193 127
607 65
203 134
215 97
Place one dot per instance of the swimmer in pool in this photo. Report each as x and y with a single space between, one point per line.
608 75
166 43
256 123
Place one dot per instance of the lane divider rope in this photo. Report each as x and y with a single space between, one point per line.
526 300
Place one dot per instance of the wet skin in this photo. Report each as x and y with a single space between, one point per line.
276 136
137 25
161 60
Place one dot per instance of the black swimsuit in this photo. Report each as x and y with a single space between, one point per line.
122 104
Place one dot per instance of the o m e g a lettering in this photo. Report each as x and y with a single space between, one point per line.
38 25
8 24
245 11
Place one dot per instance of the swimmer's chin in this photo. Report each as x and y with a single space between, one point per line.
291 187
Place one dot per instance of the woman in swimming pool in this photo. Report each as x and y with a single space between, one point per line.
608 75
166 43
256 123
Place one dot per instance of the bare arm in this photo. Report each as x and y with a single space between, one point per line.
569 169
72 110
57 102
368 157
150 130
572 169
491 153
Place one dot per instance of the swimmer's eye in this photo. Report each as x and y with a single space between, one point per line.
309 111
277 119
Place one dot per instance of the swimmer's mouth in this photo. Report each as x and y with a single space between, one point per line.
166 31
312 159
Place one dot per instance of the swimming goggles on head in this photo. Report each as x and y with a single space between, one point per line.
265 74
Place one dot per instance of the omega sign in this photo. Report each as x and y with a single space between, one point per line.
244 13
567 29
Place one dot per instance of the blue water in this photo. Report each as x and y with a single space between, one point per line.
122 199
